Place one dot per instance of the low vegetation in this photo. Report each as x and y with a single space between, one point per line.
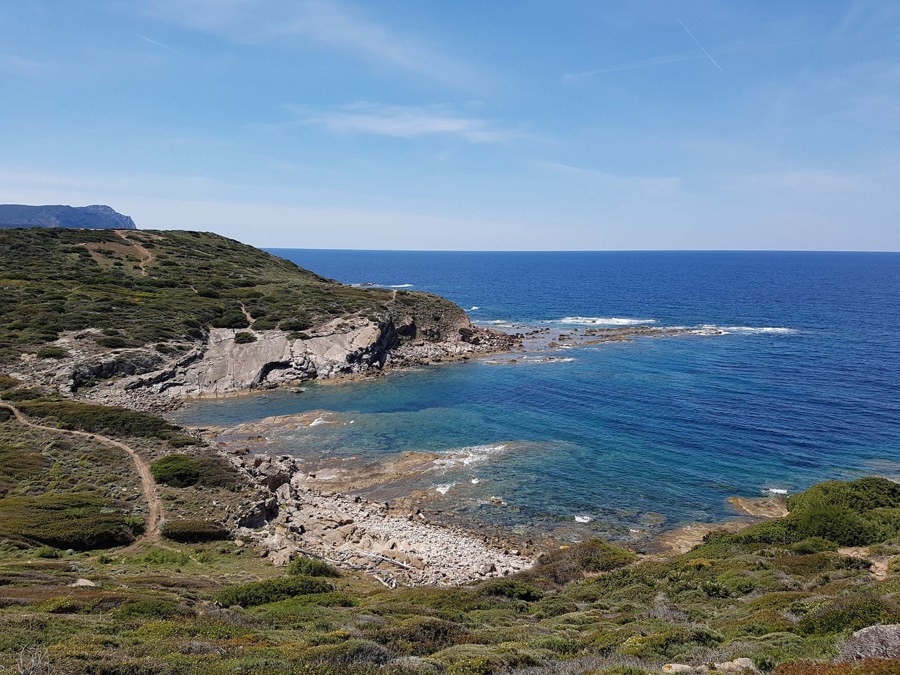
108 420
587 608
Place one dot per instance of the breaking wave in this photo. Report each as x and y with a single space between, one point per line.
601 321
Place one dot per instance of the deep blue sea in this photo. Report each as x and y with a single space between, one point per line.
802 387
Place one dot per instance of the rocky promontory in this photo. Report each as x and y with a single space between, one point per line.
94 217
145 319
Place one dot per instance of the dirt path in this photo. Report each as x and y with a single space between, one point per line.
879 568
250 319
148 485
147 257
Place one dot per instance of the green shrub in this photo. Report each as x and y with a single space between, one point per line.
420 636
858 496
114 342
148 609
243 338
848 615
100 419
46 552
513 589
837 523
814 545
164 556
194 531
7 382
272 590
598 556
175 470
77 520
312 568
52 353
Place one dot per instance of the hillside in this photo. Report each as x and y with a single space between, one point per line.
198 313
85 586
98 217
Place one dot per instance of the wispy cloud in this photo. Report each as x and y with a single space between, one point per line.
632 65
403 122
158 43
651 186
13 63
326 22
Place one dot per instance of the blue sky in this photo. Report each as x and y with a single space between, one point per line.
427 124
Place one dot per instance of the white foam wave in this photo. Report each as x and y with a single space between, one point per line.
444 489
601 321
475 481
777 491
473 308
760 329
372 284
712 329
319 420
469 455
583 519
548 359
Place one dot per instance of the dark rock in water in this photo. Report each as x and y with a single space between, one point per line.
96 217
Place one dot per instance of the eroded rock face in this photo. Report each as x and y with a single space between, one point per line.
274 358
145 378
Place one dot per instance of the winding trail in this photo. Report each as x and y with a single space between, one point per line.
147 257
148 485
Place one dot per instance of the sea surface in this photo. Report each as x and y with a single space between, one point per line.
622 439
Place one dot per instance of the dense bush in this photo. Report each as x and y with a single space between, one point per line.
52 353
194 531
814 545
175 470
272 590
855 513
312 568
420 636
100 419
513 589
78 521
864 667
7 382
849 614
243 338
858 496
180 471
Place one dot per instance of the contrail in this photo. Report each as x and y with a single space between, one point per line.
158 44
697 42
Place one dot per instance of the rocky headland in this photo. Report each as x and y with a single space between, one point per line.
96 216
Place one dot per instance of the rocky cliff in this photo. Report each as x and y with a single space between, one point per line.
95 217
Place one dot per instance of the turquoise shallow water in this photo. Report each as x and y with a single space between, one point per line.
801 388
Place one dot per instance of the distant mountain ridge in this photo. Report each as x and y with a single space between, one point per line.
94 217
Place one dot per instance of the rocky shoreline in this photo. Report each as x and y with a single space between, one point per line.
291 517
